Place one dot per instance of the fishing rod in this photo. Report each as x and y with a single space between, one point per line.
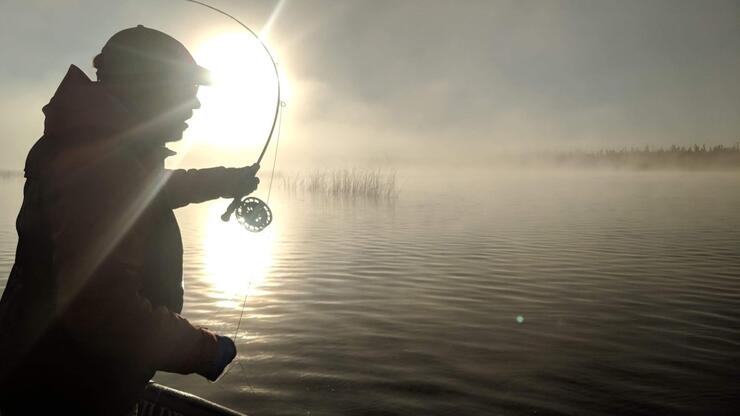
253 213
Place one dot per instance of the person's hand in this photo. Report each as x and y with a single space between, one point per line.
242 181
226 351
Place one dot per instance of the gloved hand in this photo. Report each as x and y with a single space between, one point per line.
242 181
226 351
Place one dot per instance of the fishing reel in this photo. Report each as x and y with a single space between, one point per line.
251 212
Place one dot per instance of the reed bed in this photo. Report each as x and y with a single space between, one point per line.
343 183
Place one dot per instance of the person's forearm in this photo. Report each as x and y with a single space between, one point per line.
185 187
198 185
112 319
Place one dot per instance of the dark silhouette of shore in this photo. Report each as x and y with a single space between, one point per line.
684 158
694 157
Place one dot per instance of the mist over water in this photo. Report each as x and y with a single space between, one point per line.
511 266
475 291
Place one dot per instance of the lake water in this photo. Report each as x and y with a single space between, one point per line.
474 293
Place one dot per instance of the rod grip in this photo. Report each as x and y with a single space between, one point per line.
226 216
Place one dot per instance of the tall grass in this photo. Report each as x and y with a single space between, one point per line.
343 183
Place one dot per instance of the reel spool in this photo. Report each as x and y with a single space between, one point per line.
253 214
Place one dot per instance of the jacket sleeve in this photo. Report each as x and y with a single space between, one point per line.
199 185
97 231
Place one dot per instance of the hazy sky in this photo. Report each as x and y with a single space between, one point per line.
407 80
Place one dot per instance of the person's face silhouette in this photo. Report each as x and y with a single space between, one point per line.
167 105
161 106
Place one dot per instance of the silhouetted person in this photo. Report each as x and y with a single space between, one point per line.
91 307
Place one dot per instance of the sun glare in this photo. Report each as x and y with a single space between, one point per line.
236 114
237 110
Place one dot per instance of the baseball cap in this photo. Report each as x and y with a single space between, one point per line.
141 52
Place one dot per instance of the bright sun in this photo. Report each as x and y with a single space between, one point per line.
238 109
236 112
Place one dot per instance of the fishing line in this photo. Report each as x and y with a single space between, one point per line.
277 144
249 286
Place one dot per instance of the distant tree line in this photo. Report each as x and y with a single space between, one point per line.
678 157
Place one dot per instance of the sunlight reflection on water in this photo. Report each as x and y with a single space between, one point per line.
236 261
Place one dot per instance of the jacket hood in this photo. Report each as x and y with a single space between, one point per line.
83 106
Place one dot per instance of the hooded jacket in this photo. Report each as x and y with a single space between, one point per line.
91 307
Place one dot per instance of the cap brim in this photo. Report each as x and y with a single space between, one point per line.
202 76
